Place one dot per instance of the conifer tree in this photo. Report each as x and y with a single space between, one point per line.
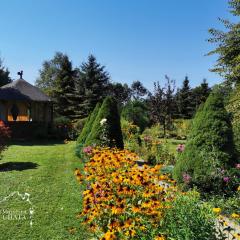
4 75
86 129
228 49
95 81
57 79
209 147
200 94
65 89
185 100
106 129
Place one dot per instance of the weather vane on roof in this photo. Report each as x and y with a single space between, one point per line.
20 74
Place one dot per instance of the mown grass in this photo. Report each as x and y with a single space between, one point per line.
46 172
172 144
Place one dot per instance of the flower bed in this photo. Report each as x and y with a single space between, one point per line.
123 201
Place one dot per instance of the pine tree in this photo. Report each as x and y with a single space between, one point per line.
228 49
95 82
185 100
79 96
64 93
201 93
4 75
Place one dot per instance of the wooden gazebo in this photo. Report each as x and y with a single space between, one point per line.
22 105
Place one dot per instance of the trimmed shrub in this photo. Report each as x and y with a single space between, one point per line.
79 125
62 129
106 129
86 129
209 148
4 136
88 125
233 107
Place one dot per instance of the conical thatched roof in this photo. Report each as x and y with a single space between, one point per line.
22 90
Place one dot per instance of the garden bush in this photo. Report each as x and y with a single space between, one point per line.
106 129
182 127
189 218
86 129
88 125
131 136
154 131
157 153
233 107
79 125
62 129
4 136
136 112
209 148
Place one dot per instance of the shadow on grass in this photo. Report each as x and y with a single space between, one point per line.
20 142
17 166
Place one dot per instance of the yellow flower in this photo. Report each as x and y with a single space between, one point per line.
159 238
238 189
136 209
116 210
235 215
237 236
131 233
109 235
216 210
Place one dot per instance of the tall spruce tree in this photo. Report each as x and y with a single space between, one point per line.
57 79
228 49
95 81
4 74
201 93
79 96
185 100
64 93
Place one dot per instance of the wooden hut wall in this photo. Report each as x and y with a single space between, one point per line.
23 108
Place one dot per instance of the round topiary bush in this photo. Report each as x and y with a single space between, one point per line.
86 129
209 150
106 129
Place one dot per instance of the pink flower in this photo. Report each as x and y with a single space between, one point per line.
226 179
180 148
88 150
238 166
147 138
186 178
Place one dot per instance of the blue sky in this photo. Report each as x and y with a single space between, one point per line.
136 39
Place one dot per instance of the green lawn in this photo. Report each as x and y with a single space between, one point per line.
46 172
172 144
